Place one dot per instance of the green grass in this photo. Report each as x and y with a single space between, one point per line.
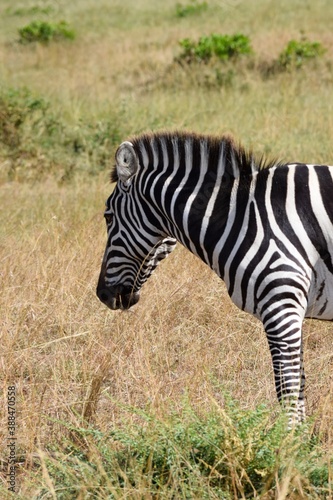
225 453
190 8
100 395
30 10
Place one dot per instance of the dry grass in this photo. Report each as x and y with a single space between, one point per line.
70 358
129 69
74 361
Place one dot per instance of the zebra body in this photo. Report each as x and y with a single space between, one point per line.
265 229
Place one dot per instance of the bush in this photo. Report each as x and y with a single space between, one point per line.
36 142
23 115
297 52
44 32
194 7
226 453
221 46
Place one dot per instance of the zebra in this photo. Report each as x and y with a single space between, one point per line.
265 227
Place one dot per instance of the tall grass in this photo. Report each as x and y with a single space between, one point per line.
98 392
220 454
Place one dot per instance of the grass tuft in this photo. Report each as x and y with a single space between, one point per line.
190 8
45 32
30 10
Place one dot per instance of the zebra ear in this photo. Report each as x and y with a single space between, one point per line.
127 161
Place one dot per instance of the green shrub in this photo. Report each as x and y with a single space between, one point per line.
297 52
221 46
194 7
226 453
36 142
44 32
22 114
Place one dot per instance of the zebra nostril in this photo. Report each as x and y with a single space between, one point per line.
103 296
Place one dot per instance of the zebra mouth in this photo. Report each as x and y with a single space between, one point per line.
119 298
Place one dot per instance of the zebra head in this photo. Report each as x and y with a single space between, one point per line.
135 246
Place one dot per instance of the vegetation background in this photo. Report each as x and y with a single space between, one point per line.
142 404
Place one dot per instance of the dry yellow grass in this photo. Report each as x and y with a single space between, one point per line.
73 360
128 69
70 358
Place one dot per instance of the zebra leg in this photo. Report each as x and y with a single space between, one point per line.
284 336
301 404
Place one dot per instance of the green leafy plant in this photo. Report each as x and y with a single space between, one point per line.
194 7
35 140
297 52
20 111
44 32
227 453
222 47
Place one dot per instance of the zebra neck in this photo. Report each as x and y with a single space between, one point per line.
195 186
208 223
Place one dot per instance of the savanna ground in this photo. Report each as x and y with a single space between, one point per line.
131 405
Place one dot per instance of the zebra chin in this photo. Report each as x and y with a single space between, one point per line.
116 299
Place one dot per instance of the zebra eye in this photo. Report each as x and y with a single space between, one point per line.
108 218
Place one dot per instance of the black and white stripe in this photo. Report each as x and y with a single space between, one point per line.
265 228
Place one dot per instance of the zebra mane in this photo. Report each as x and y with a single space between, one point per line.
245 159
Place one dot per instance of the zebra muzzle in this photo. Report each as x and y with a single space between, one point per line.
117 297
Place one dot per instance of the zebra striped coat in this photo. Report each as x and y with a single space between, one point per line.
265 228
